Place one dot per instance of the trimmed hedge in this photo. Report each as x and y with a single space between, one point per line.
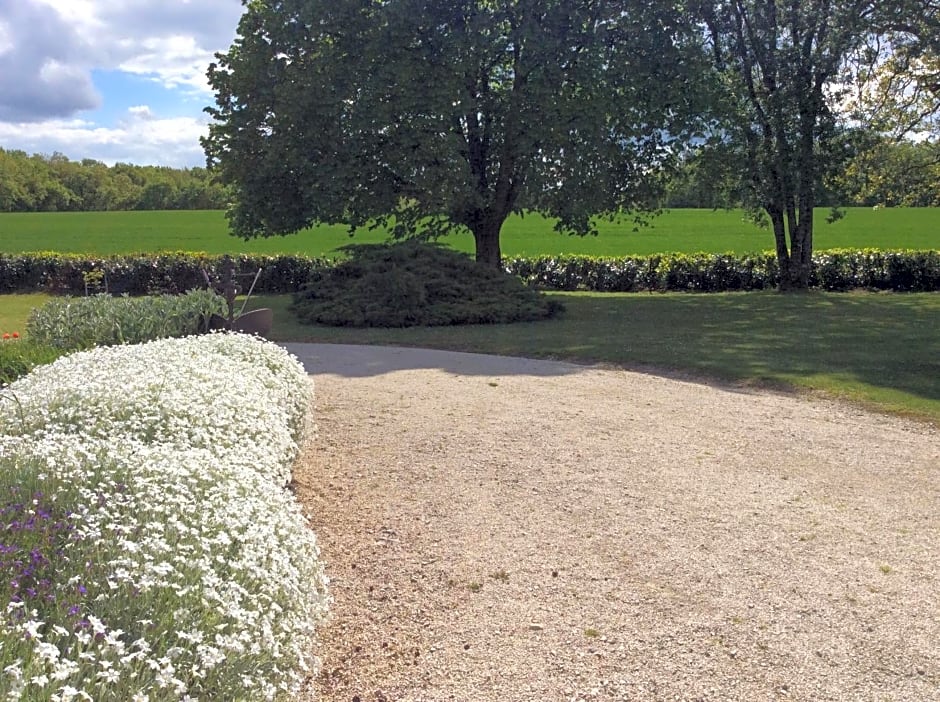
166 273
836 269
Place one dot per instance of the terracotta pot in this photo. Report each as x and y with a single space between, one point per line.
257 322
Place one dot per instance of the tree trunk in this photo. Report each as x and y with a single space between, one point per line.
793 234
486 238
779 224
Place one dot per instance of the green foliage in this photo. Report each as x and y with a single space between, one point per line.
40 183
414 284
19 356
102 320
833 269
438 116
900 271
784 71
169 273
886 173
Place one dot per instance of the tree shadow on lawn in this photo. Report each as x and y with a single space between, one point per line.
827 341
887 341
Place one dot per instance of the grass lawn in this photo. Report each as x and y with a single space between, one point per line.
14 309
687 231
881 350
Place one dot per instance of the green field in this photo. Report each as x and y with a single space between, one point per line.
687 231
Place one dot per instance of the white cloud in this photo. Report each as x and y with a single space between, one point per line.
140 137
141 111
43 69
175 61
6 38
50 48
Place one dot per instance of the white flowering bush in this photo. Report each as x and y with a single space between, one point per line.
149 547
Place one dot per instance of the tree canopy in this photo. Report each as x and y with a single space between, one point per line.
791 76
431 116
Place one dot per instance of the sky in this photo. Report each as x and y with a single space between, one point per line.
110 80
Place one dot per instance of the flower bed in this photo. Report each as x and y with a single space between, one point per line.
151 550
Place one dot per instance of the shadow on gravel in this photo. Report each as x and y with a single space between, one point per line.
353 361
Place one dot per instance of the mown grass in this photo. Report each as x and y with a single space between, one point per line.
687 231
879 350
14 309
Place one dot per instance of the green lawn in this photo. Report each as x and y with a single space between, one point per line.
688 231
14 309
880 350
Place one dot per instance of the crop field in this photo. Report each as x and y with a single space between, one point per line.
687 231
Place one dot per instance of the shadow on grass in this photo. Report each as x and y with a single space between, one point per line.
879 349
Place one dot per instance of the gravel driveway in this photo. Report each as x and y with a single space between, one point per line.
507 529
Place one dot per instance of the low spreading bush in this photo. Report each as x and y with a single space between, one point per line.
151 550
416 284
73 323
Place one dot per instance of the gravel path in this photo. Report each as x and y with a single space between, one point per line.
507 529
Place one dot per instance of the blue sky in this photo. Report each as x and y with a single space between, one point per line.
112 80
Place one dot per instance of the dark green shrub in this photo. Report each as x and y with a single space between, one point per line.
165 273
173 273
416 284
19 356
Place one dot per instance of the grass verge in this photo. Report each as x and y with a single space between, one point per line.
14 309
880 350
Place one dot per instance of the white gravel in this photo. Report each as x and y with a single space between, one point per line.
507 529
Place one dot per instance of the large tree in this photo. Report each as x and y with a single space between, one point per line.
786 72
430 116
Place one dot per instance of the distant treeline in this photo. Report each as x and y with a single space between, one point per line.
873 172
40 183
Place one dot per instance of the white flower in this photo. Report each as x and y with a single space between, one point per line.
109 675
171 458
47 652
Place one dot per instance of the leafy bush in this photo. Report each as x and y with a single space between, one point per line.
838 269
72 323
19 356
416 284
842 269
152 550
166 273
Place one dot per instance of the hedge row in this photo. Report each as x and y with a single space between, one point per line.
169 273
838 269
